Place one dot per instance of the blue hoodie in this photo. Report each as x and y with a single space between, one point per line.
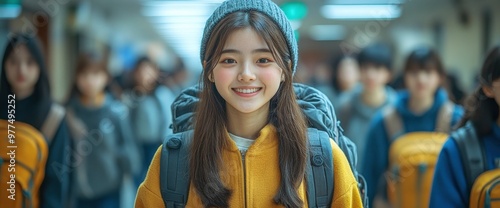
377 148
449 188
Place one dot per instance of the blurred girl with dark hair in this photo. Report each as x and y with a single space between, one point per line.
24 74
451 187
345 79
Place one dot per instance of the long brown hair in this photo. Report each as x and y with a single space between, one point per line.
481 110
284 113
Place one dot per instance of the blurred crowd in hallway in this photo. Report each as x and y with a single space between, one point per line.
118 65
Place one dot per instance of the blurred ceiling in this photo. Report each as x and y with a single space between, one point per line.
180 22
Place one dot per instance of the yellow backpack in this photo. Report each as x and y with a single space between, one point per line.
413 157
484 185
486 190
24 152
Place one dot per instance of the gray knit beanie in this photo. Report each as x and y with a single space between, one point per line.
267 7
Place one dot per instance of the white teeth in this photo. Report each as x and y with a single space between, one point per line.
246 91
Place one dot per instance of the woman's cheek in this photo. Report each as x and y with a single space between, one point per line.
270 76
224 75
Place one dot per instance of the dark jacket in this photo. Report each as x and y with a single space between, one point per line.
104 147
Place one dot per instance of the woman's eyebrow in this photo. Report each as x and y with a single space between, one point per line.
230 51
259 50
262 50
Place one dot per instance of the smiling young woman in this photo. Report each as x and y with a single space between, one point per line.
250 142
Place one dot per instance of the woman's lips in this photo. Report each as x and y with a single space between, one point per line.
247 92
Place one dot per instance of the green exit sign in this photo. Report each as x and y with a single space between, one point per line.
3 2
294 10
10 8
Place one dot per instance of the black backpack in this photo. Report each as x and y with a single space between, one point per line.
483 184
323 125
471 152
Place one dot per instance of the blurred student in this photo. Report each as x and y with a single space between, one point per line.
424 107
150 112
357 113
469 163
100 123
24 75
177 79
345 80
322 80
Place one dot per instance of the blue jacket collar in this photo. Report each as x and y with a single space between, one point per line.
440 98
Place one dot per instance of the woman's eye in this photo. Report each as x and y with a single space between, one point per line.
263 60
229 61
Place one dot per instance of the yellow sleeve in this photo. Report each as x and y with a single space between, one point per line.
345 193
148 194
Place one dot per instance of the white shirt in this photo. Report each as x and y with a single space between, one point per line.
242 143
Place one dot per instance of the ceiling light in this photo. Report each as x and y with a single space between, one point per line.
361 11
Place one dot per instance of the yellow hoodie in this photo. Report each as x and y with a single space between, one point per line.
262 177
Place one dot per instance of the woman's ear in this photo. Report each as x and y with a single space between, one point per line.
488 91
283 74
211 75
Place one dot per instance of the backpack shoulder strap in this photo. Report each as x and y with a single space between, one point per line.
320 181
52 122
393 123
471 152
444 117
174 169
77 127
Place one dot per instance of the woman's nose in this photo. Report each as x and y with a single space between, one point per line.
246 74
